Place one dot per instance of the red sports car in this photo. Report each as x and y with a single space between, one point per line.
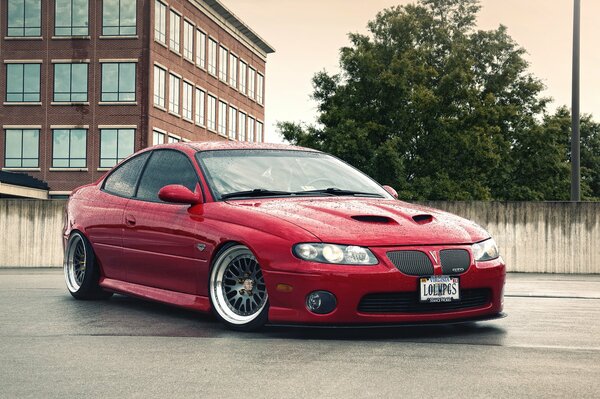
278 234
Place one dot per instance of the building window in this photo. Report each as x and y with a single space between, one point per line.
71 82
24 18
223 64
119 17
222 129
160 22
199 114
115 146
118 82
242 127
212 57
259 132
22 148
251 82
71 18
160 76
260 88
243 74
69 148
250 129
22 82
174 32
174 88
212 113
232 128
188 100
157 138
172 139
188 41
233 66
200 49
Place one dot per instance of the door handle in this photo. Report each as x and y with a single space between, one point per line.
130 220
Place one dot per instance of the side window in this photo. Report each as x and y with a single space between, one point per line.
123 179
166 167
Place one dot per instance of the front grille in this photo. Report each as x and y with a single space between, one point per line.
454 261
413 263
408 302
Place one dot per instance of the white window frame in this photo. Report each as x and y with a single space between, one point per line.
211 113
187 110
250 129
160 86
242 125
212 56
222 119
174 94
260 88
157 134
233 70
243 77
223 62
251 82
175 31
232 123
259 131
160 22
188 40
199 111
200 49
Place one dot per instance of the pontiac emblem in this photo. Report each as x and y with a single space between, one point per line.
434 256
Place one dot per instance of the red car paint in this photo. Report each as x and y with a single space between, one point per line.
163 251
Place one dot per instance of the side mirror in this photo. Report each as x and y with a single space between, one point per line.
178 194
391 191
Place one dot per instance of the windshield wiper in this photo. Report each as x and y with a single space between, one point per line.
257 192
339 191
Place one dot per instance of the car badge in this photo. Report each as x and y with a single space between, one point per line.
200 247
434 256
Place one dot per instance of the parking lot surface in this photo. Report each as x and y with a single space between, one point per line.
54 346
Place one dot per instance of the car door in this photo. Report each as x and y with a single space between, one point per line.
162 244
106 232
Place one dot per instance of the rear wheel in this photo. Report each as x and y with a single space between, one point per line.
81 270
237 289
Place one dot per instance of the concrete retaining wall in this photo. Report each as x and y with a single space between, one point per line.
545 237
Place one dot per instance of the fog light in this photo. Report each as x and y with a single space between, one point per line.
321 302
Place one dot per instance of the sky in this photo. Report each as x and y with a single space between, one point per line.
307 36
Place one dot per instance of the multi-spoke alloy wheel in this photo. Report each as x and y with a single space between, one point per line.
75 261
237 288
81 271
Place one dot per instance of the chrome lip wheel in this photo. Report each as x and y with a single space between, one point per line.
75 263
238 287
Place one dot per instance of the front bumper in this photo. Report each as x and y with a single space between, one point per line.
350 284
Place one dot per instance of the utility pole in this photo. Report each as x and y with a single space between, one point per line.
575 113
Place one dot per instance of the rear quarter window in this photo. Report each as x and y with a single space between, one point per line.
123 179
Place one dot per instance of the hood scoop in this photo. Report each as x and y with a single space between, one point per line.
373 219
422 219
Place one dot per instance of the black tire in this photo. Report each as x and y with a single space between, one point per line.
81 270
237 254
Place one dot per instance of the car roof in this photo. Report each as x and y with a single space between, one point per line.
236 145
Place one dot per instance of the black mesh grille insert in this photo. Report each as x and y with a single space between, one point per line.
413 263
408 302
454 261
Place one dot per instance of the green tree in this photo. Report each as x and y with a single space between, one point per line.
438 109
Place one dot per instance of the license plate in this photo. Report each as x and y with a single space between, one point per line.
439 289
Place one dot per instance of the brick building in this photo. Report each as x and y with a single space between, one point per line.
86 83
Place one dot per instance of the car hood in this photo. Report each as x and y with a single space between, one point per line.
369 222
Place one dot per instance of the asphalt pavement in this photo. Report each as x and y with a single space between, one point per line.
53 346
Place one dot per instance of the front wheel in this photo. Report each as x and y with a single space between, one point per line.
81 270
237 289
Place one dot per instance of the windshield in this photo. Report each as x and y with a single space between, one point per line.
250 173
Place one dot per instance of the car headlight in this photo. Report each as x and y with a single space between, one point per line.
335 254
485 250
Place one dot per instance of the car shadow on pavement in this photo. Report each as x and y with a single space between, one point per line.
131 316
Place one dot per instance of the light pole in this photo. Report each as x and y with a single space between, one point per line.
575 138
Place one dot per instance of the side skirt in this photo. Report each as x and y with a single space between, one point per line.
198 303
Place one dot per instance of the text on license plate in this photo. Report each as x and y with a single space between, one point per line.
439 289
